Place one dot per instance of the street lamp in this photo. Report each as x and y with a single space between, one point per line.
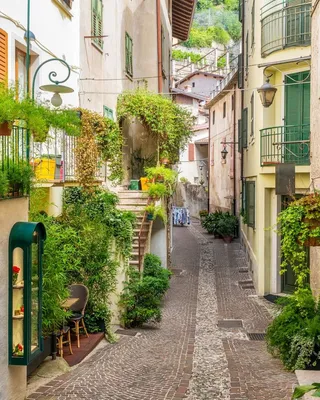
56 88
224 152
267 93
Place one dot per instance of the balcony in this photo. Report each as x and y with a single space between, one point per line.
285 144
285 24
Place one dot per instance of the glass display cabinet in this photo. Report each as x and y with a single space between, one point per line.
25 292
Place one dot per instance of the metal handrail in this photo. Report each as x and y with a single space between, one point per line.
140 235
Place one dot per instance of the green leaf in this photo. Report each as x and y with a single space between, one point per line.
302 390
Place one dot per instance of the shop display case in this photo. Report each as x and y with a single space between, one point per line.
25 292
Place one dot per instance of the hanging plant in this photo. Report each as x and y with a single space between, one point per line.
169 123
299 228
100 141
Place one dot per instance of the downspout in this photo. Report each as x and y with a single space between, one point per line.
159 46
209 160
234 151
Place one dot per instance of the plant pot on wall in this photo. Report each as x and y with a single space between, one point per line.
227 239
165 161
311 241
5 129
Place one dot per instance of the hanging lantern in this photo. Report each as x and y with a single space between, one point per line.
224 153
267 93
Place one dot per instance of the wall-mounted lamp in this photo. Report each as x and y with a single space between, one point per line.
224 152
267 92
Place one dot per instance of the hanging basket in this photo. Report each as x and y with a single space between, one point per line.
5 129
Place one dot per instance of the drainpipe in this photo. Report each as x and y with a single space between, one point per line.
159 46
234 151
209 160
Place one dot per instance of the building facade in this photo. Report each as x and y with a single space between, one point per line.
276 46
224 158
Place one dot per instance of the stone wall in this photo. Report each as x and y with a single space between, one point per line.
193 197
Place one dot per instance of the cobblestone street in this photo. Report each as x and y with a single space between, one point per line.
196 352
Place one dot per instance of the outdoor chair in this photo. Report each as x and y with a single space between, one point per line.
81 293
65 330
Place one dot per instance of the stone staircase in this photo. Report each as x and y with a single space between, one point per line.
136 201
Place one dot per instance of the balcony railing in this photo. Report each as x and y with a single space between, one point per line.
54 160
14 154
285 144
285 24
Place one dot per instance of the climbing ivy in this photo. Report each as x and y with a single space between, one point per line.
169 123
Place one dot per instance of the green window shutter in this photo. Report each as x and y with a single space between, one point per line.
247 53
239 135
108 112
251 203
129 51
244 132
240 10
240 71
97 22
243 199
252 23
252 115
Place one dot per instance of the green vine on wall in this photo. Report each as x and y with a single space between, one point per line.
169 123
299 228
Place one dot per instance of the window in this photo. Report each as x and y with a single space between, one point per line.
232 102
224 109
252 23
213 117
107 112
193 84
252 115
21 73
97 22
191 151
249 203
244 128
3 55
129 46
239 135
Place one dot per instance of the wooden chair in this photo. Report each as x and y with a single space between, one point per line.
64 331
82 293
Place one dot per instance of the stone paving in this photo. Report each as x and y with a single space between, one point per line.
188 355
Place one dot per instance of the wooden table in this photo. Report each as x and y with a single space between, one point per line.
69 302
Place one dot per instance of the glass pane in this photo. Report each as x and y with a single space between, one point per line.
17 303
35 294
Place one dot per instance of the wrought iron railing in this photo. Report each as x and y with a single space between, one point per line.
285 144
55 160
285 24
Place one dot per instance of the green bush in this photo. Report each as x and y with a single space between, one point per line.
142 296
210 223
294 335
226 225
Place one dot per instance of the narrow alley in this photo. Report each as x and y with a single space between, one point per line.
201 350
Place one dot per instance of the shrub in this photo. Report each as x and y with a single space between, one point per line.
211 221
226 225
203 213
141 298
294 335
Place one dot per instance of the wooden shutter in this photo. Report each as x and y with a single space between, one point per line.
247 53
239 135
240 10
251 203
191 151
96 23
129 51
3 55
240 71
244 132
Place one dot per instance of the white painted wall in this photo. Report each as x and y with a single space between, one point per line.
13 379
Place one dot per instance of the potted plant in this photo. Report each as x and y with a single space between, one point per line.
226 226
150 209
210 222
164 158
300 391
157 190
203 214
163 175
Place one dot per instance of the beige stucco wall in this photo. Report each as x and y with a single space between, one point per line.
13 379
262 245
222 174
315 148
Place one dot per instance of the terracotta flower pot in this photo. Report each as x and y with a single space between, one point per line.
227 239
311 241
165 161
5 129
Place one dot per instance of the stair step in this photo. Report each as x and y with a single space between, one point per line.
131 194
134 202
134 262
142 230
136 246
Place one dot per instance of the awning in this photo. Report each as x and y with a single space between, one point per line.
182 16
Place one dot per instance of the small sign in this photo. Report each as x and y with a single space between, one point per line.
285 179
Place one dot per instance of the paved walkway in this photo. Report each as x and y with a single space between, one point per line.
188 355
